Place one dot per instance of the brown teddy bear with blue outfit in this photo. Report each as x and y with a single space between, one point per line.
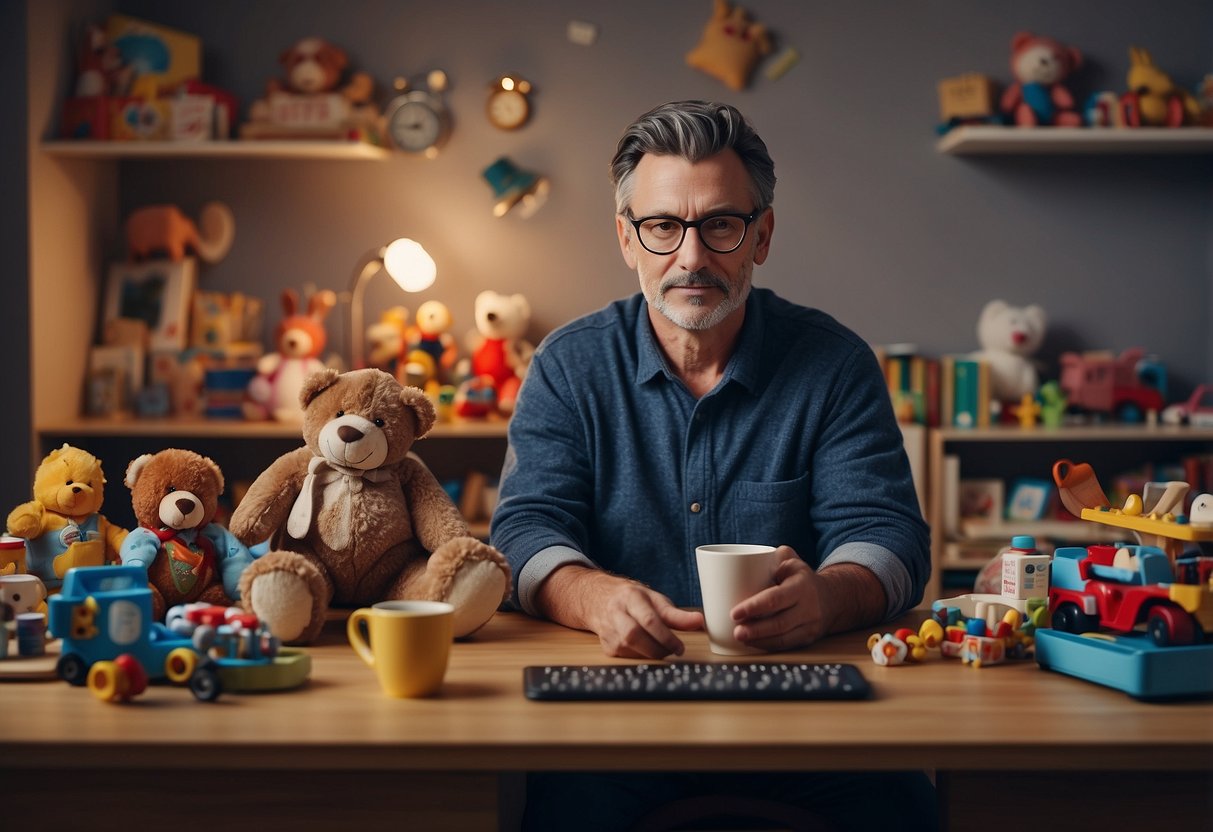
188 557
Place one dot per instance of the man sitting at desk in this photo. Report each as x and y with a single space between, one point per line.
703 410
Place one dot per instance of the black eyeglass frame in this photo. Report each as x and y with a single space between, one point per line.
748 219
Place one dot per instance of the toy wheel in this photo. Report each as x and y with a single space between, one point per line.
180 664
1170 626
108 682
1130 412
135 674
205 684
72 669
1070 619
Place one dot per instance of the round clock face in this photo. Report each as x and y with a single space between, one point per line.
415 125
508 109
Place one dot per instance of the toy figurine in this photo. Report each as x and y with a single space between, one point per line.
430 337
1037 96
62 525
1009 336
1153 98
387 341
731 46
165 231
274 392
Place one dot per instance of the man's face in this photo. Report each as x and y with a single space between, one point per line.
694 287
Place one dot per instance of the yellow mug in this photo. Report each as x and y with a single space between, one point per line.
409 643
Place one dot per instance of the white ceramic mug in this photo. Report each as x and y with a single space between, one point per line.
729 573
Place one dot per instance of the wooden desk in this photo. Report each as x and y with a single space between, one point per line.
337 753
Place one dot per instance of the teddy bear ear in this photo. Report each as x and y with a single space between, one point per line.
522 305
290 302
422 407
214 468
1021 39
135 468
316 383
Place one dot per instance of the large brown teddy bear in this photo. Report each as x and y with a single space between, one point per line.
355 518
188 557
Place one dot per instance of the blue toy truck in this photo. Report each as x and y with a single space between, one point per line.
103 612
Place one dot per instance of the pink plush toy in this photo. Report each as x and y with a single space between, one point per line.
1037 96
274 392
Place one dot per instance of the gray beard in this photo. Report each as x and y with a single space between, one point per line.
729 303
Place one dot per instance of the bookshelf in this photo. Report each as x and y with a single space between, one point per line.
1010 452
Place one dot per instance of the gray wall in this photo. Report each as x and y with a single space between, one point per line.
14 242
899 242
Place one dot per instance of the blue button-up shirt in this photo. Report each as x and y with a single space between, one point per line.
613 462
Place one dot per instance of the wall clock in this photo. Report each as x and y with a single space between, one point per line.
508 107
417 119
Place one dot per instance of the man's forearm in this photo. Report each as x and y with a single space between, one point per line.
566 595
851 597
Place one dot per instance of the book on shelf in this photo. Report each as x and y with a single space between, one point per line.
913 382
965 392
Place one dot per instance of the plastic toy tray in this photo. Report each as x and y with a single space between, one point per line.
1131 663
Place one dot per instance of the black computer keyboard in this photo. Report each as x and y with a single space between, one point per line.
696 680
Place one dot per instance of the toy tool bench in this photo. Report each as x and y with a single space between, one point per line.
1135 617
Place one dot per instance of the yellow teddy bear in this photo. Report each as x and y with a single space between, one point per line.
61 525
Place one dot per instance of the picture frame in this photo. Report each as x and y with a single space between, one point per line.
981 499
157 292
1029 499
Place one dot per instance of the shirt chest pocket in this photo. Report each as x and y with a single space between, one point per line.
772 513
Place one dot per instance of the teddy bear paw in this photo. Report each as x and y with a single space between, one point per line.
284 601
476 592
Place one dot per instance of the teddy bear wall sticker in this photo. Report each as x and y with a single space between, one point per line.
354 518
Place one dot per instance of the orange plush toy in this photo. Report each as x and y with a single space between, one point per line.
274 392
731 46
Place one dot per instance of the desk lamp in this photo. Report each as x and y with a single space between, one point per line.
406 262
514 187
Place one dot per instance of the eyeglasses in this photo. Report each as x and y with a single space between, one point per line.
721 233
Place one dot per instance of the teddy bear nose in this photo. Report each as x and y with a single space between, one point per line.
492 316
76 489
185 506
348 434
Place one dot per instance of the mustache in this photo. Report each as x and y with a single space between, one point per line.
690 279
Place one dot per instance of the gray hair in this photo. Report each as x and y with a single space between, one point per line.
693 130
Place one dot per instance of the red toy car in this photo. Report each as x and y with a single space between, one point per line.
1121 587
1196 411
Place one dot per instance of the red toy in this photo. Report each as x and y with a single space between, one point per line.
1102 383
301 338
1121 587
498 347
1037 96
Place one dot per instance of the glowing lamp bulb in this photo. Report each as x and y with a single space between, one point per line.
409 265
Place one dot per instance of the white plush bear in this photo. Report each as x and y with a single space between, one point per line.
1009 336
498 346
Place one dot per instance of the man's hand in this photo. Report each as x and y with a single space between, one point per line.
805 605
630 620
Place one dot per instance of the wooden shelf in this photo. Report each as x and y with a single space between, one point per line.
1078 433
237 429
295 149
989 140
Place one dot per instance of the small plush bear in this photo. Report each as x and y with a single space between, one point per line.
1009 336
354 518
1037 96
62 525
188 557
498 346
